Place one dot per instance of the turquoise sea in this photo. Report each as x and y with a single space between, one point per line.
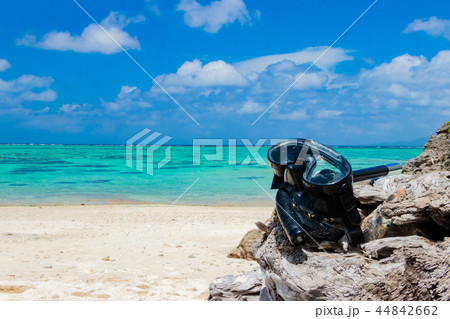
95 174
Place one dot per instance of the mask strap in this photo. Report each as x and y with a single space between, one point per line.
350 216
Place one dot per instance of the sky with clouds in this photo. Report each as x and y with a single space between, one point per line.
210 69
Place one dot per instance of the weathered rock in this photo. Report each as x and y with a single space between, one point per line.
420 207
391 184
384 268
368 196
435 156
415 266
371 196
263 227
244 249
294 273
423 271
393 268
240 287
383 248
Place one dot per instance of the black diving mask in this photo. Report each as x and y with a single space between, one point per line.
315 192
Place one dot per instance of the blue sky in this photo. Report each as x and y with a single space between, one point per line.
63 80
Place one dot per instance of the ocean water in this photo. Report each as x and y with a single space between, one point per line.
76 174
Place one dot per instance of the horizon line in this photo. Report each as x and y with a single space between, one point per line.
190 145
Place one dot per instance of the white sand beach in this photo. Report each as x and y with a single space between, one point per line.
119 252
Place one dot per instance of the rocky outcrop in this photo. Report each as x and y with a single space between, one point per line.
420 206
410 268
387 267
396 268
370 196
245 287
435 156
406 255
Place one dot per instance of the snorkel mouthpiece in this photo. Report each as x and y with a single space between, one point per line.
314 186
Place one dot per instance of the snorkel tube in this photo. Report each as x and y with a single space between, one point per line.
376 171
315 187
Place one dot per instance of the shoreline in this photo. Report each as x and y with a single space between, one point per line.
138 203
120 252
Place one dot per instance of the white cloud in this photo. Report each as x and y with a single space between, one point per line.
71 118
4 65
26 88
75 108
310 80
194 74
401 68
433 26
324 113
208 92
369 61
277 72
295 115
129 97
411 80
218 81
44 96
92 39
250 107
257 15
44 110
308 55
153 7
213 16
410 84
276 78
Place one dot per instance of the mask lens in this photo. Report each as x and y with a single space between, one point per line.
325 173
323 166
